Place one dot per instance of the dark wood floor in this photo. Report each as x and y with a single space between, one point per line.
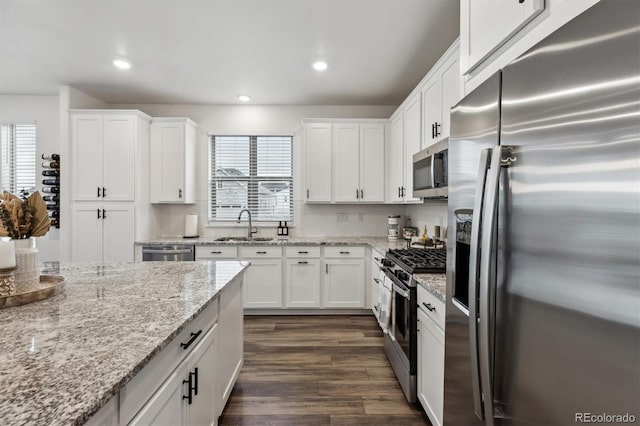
317 370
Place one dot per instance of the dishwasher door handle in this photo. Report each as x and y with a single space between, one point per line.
160 251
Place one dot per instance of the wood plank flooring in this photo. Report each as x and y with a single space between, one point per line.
317 370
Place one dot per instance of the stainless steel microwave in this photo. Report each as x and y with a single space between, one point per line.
430 171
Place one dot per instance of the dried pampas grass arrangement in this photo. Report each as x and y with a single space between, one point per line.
23 218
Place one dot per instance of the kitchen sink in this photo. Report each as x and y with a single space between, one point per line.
243 239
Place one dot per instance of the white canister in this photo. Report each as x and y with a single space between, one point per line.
393 227
27 273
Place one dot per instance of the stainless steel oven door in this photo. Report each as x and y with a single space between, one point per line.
401 318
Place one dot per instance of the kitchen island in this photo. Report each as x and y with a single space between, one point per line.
110 340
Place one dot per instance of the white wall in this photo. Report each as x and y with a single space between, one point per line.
429 214
310 220
43 111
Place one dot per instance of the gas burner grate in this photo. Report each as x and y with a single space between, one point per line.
419 260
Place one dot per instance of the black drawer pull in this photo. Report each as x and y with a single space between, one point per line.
194 336
190 396
345 252
377 280
303 252
261 252
195 381
429 307
302 262
216 252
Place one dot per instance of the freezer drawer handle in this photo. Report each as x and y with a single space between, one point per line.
193 338
160 251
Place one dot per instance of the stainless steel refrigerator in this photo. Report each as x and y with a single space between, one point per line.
543 273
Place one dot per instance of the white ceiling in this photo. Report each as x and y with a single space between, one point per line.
209 51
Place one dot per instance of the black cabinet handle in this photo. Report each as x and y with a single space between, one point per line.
303 252
194 336
326 268
520 1
433 131
104 214
357 194
190 388
429 307
98 213
307 194
179 193
216 252
438 132
399 193
261 252
98 192
377 280
345 252
195 381
302 262
104 192
361 194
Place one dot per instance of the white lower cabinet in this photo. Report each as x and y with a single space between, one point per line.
103 232
430 367
263 284
166 407
343 283
302 283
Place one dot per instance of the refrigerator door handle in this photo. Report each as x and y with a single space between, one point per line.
488 249
473 280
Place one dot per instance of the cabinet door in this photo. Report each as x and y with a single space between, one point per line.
413 130
487 24
431 111
166 406
302 285
430 367
119 155
346 158
344 283
451 84
230 354
167 162
118 234
317 164
87 141
87 233
372 163
263 284
396 159
201 365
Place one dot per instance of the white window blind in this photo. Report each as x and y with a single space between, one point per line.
18 157
251 172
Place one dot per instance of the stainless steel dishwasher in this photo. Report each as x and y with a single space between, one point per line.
171 253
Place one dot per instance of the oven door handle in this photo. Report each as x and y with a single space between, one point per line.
404 293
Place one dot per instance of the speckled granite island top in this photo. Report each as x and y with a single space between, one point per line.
382 244
63 358
435 284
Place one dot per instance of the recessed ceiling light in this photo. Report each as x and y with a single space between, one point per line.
319 65
122 64
244 98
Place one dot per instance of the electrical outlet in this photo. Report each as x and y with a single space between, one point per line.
342 217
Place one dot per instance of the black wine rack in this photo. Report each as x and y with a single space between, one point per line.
51 186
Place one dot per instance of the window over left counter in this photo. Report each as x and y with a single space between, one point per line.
251 172
18 158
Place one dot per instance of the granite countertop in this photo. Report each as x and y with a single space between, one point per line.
381 244
435 284
63 358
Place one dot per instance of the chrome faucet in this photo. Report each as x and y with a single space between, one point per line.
251 229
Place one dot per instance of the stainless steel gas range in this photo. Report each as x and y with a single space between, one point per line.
400 343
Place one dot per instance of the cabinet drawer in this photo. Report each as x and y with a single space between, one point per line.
302 251
344 252
260 252
431 305
216 252
136 393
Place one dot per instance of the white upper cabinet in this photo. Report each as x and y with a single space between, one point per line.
346 158
412 133
395 159
372 149
356 170
485 25
104 154
317 143
442 90
406 125
173 160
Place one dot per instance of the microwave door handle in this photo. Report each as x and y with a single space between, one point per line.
486 285
433 171
473 280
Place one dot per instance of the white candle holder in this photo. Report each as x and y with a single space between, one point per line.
7 284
